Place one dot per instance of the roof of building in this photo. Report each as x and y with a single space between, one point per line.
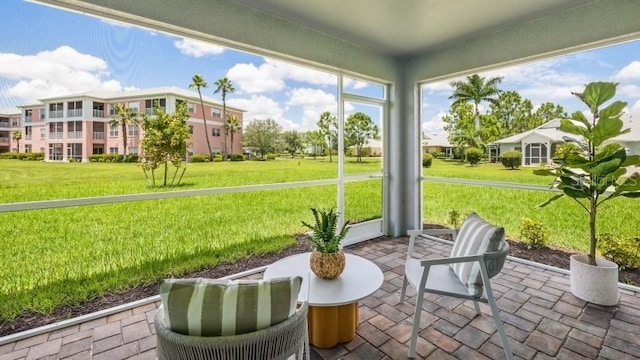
10 111
436 140
139 93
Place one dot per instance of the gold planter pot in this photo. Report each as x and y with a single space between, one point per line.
327 265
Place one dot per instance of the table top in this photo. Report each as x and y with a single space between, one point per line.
359 279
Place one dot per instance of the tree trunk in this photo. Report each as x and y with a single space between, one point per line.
592 231
204 120
124 139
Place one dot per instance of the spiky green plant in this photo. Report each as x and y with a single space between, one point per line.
324 236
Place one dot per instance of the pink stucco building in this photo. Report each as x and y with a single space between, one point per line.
76 126
10 121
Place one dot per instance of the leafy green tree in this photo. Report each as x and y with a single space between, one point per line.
123 116
512 112
232 126
315 140
547 112
262 136
328 125
198 83
224 86
292 142
17 136
165 141
475 89
357 130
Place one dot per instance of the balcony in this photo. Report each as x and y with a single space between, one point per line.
56 114
56 135
27 138
28 119
4 140
541 317
98 113
74 135
4 124
98 135
74 113
152 111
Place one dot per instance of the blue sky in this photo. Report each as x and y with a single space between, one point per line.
47 52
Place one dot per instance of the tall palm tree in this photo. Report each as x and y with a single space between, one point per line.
476 89
224 86
198 82
232 126
122 117
17 135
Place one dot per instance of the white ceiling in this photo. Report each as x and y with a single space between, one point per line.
406 27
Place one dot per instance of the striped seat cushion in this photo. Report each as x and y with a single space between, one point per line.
476 236
208 307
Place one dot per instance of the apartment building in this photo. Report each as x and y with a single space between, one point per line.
10 121
72 127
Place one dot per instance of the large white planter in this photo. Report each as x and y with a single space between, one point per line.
595 284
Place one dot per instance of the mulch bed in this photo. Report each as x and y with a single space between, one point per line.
550 256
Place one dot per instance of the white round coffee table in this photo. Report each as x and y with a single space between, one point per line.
333 304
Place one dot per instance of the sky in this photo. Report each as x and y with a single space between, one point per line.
47 52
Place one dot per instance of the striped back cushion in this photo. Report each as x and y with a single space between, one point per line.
208 307
476 236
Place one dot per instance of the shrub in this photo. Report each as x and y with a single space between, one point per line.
271 156
427 159
533 234
94 157
131 158
623 251
199 158
236 157
454 219
511 159
217 158
473 155
32 156
438 155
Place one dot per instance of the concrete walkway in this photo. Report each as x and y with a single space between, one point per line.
542 319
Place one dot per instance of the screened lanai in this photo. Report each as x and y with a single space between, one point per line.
397 44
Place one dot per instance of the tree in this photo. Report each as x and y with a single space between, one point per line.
512 112
165 140
232 126
357 130
547 112
17 136
197 83
123 116
224 86
315 140
475 89
262 136
328 127
292 141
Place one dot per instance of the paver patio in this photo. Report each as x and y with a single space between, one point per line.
542 319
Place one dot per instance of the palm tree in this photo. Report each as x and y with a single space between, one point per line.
198 82
232 126
476 89
17 135
123 116
224 86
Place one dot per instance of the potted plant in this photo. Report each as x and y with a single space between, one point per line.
327 259
594 174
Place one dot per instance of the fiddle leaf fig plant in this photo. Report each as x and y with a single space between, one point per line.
324 236
598 171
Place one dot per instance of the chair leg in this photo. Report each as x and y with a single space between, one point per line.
403 291
475 304
306 343
494 310
417 312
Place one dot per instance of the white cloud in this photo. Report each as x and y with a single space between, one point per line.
257 107
197 48
629 72
313 102
272 74
51 73
434 125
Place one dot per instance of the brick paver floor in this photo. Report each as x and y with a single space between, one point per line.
542 320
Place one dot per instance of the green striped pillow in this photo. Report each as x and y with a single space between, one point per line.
476 236
208 307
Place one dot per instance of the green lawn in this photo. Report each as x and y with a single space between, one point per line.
66 255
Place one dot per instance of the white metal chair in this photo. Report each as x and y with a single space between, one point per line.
437 276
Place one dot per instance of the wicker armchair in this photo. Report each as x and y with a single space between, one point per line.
280 341
436 276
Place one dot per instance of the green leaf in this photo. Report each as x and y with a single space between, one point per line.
631 160
605 168
630 184
568 126
579 116
550 200
632 195
610 179
612 111
544 172
597 93
605 129
575 160
606 151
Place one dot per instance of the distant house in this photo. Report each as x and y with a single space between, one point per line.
434 143
538 145
9 122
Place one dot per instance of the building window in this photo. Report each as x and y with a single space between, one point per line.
215 132
74 151
113 150
216 112
150 103
15 122
55 152
133 150
134 106
113 131
43 114
535 154
192 108
56 110
191 129
98 149
74 129
74 108
43 133
55 130
133 130
27 148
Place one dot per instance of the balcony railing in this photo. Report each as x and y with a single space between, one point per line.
27 137
56 114
98 113
28 119
74 113
152 111
55 135
4 124
4 140
98 135
74 135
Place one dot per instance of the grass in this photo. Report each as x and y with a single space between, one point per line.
63 256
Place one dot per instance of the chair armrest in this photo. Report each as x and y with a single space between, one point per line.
451 260
427 233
